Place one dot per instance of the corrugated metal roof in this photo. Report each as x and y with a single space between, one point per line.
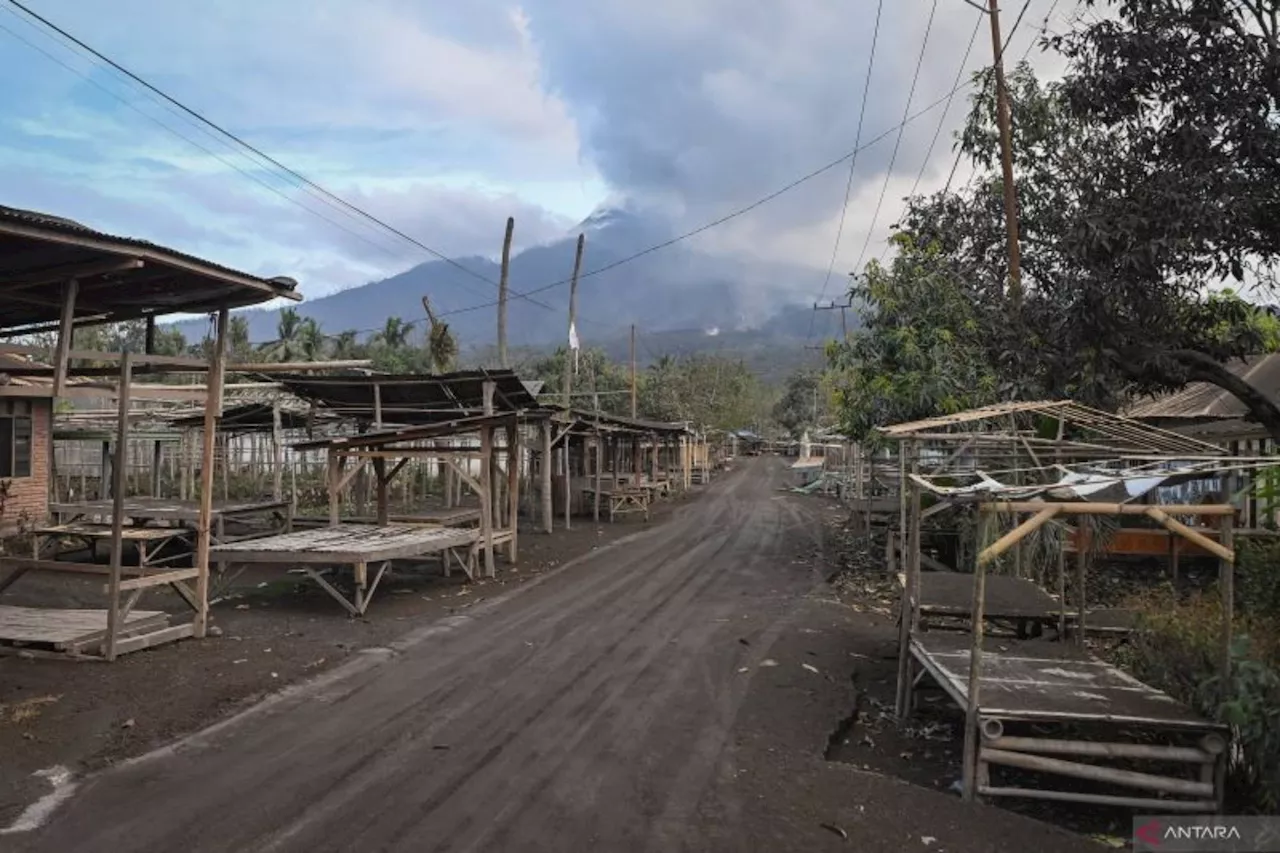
1202 400
412 398
70 226
119 278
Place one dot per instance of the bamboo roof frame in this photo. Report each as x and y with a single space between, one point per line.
1117 433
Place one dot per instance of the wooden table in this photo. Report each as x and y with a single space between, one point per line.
360 546
141 511
623 500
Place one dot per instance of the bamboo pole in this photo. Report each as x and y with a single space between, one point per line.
1226 588
548 510
1096 773
277 453
502 293
117 507
1013 537
1174 526
513 487
974 693
212 412
1070 508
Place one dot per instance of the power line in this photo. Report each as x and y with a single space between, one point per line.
937 131
191 141
1007 40
1044 28
258 152
737 212
853 162
942 120
888 175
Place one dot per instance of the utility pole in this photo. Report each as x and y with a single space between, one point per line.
502 294
568 374
633 370
842 306
1006 160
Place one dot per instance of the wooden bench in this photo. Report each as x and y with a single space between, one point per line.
623 500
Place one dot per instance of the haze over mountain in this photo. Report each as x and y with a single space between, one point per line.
673 288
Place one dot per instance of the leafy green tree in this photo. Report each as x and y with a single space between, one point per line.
805 402
922 348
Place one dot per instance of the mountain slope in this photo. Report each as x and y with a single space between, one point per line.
674 288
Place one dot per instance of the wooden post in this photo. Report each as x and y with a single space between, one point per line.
548 512
1082 563
978 608
513 486
66 331
1062 587
277 453
334 462
212 412
117 505
1226 588
377 406
486 482
380 475
599 472
104 473
157 461
633 370
502 294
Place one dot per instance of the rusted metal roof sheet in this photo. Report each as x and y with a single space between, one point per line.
1202 400
120 278
412 398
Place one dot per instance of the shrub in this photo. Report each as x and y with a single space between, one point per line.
1178 650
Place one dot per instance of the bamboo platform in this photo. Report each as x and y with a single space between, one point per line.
359 546
140 509
56 632
1044 683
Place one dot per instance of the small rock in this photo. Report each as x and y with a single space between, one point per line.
275 675
768 662
214 631
926 840
127 724
25 655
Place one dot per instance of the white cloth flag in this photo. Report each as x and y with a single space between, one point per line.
574 344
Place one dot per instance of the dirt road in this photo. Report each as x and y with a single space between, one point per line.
653 697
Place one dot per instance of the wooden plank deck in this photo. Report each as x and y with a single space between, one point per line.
164 509
1049 681
63 628
1006 597
453 517
347 543
103 531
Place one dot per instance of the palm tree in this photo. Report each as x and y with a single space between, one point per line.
345 346
310 340
442 347
395 333
286 346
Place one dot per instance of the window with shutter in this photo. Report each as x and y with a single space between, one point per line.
6 447
21 447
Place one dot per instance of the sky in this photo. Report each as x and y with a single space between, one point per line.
444 118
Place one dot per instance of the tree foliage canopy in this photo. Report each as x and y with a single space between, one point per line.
1146 182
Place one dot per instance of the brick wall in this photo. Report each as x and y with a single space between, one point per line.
27 501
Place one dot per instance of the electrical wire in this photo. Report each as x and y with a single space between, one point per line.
888 174
303 179
999 58
853 163
763 200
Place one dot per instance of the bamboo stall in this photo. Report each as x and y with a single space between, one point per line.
1044 464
